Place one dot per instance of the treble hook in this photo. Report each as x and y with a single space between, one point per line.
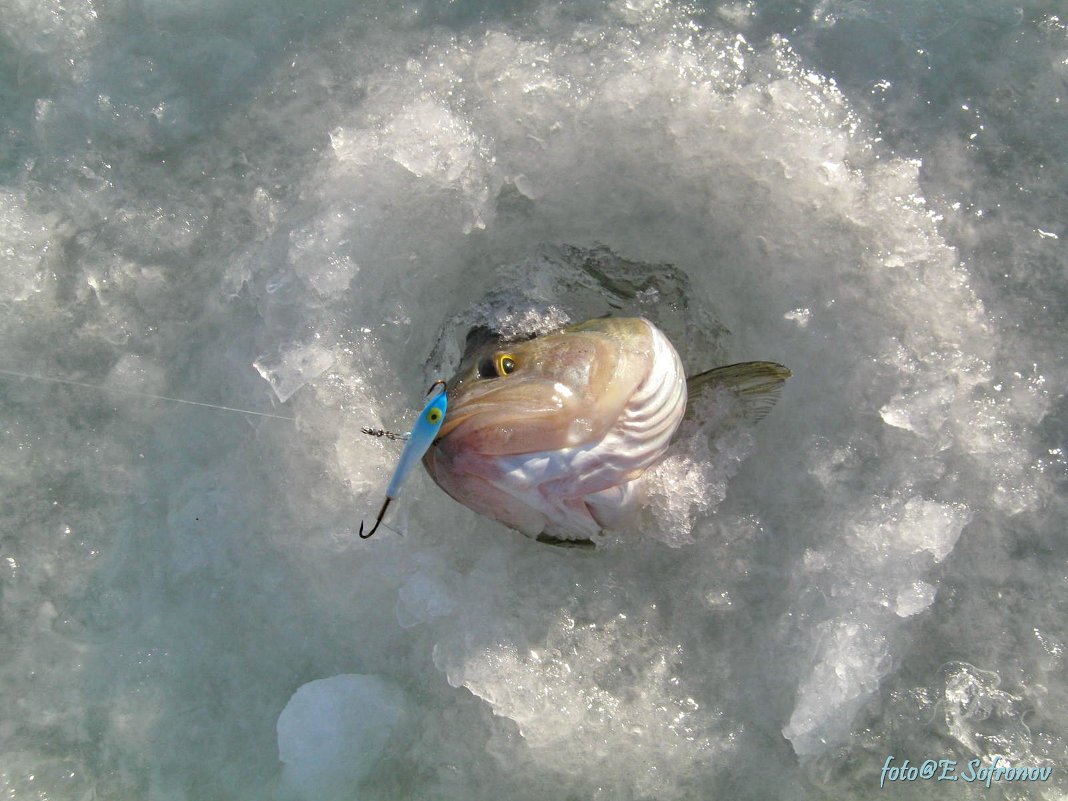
422 436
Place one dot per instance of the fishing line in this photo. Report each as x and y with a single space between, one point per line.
137 394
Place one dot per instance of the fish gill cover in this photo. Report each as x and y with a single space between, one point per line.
869 193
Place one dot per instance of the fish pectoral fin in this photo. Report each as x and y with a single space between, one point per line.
757 385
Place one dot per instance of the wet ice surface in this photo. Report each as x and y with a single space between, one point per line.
871 194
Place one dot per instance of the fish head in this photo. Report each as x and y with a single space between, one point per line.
554 391
532 426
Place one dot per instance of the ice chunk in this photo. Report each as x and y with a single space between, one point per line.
932 527
333 731
294 367
914 599
428 140
921 412
853 657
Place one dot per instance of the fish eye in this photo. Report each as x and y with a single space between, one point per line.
505 364
433 416
497 366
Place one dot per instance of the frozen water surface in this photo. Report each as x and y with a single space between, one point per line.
870 193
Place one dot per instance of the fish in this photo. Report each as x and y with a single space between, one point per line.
552 436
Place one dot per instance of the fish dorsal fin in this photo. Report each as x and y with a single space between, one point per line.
757 385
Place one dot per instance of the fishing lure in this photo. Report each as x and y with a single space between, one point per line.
422 436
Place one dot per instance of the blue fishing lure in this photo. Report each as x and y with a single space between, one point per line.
422 436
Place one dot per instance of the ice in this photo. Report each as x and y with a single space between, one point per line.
915 598
293 367
692 480
26 248
333 731
251 205
571 701
986 719
319 252
852 658
426 594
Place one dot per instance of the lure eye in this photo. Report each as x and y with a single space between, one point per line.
433 416
505 364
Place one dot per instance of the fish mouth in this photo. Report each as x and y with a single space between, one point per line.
451 423
454 420
516 399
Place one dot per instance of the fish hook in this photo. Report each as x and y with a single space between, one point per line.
422 436
378 520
